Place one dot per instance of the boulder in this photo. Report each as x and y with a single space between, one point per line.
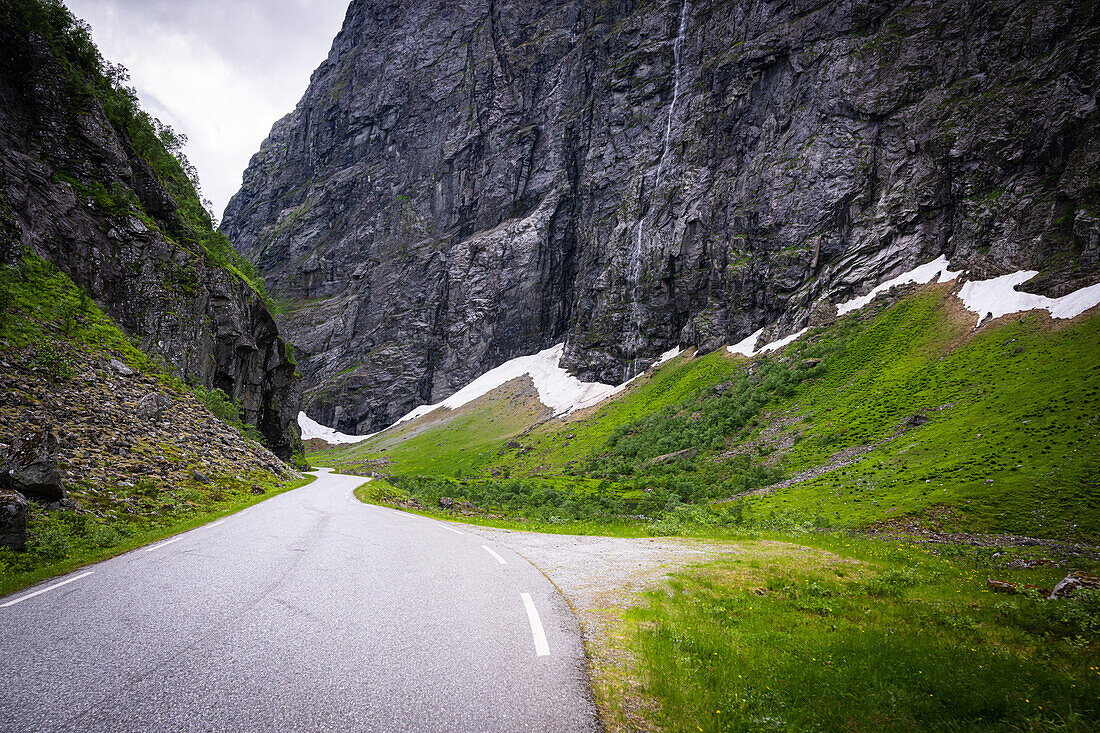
152 406
686 454
1074 582
199 477
13 519
258 490
121 368
446 502
30 467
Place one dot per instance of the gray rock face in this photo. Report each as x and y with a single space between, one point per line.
30 466
69 182
13 519
463 183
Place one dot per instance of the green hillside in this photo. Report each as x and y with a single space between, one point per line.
899 414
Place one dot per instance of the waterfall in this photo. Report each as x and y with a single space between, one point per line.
633 340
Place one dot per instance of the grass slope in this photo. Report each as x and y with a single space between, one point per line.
921 419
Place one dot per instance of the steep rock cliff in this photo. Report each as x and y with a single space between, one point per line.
464 183
76 191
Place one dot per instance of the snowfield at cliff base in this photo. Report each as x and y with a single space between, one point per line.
563 393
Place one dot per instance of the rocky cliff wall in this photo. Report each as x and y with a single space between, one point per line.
76 192
466 182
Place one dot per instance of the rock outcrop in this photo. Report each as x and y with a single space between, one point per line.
30 466
463 183
13 519
75 190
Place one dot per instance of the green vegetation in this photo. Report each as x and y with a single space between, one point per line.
42 310
898 414
225 409
856 636
59 542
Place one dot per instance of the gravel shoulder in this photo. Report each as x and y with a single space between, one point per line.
602 577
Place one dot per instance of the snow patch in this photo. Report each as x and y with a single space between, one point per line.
998 297
557 389
745 346
782 342
921 275
313 429
666 357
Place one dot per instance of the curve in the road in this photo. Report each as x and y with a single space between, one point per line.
309 611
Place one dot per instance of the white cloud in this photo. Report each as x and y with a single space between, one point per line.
220 72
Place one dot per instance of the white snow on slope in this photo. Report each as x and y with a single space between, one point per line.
745 346
313 429
666 357
558 389
921 275
998 297
781 342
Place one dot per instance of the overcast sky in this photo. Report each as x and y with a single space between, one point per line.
220 71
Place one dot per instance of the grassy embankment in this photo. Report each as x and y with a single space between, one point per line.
841 633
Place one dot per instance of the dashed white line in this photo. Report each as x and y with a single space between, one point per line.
451 529
542 649
490 551
162 544
47 588
215 524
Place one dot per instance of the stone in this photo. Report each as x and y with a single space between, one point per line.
916 420
199 477
13 519
30 466
446 502
686 453
152 406
258 490
121 368
1074 582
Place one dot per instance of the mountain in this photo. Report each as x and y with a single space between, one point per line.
92 185
466 183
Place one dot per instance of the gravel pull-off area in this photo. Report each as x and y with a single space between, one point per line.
602 572
601 577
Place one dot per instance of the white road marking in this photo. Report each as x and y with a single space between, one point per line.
490 551
452 529
162 544
215 524
47 588
542 649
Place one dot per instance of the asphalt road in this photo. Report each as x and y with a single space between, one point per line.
308 611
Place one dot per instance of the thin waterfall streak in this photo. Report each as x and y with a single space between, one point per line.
632 342
677 48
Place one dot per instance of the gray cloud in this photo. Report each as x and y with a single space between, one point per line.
220 71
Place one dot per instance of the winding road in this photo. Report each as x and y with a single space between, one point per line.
309 611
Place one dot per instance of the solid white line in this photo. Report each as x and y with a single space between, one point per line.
541 647
452 529
162 544
490 551
48 588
